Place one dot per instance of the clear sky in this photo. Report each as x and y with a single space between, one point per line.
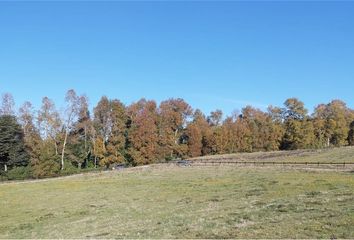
213 54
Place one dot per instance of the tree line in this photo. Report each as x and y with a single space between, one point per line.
46 142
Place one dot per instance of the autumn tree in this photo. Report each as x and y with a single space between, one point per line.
299 131
219 139
212 126
265 128
49 122
80 147
102 118
225 137
71 113
258 124
276 128
101 128
215 118
241 137
174 114
198 134
194 139
294 109
323 125
233 136
143 132
332 123
117 138
351 134
99 149
32 137
110 119
7 105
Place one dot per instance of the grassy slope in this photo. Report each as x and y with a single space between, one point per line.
336 155
172 202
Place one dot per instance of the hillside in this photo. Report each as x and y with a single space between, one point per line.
330 155
167 201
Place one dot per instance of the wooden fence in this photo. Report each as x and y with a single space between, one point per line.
206 162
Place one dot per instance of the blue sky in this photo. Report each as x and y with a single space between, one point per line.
213 54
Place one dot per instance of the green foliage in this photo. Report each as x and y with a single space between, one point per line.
77 153
48 163
19 173
69 169
12 147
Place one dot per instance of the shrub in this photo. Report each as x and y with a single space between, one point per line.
69 169
19 173
46 168
3 176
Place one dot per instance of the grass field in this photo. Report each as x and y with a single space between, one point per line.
166 201
334 155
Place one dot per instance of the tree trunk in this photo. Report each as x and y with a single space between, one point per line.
327 142
56 148
95 161
63 151
176 133
85 138
5 168
79 165
86 159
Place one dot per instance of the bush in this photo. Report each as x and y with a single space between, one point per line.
46 168
3 176
19 173
69 169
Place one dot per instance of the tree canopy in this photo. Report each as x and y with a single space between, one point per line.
144 132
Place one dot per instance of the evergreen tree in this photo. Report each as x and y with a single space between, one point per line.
80 147
48 164
12 146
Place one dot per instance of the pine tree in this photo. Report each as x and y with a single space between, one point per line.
12 146
48 164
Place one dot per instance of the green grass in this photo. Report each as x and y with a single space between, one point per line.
190 202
